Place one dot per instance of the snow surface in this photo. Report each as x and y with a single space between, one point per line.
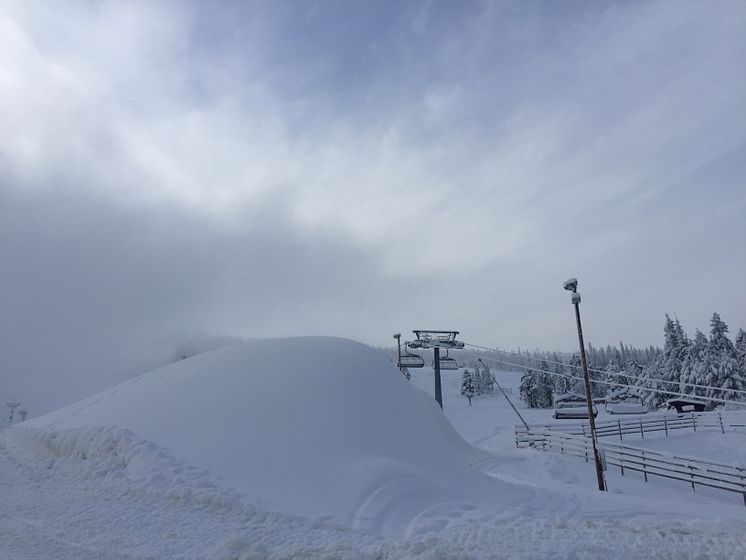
319 448
319 427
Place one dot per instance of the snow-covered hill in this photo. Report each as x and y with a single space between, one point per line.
318 448
315 426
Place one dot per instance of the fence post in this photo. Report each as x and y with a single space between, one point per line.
720 417
619 423
644 466
665 424
691 472
642 430
694 422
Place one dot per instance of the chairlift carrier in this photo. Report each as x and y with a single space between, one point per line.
446 362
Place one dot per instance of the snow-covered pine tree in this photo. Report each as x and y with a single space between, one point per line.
613 374
651 385
483 384
722 362
740 345
527 388
674 350
467 385
575 369
544 386
595 375
561 380
694 369
488 382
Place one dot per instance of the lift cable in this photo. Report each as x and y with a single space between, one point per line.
614 373
612 383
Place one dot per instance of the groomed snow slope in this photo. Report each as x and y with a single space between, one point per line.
314 426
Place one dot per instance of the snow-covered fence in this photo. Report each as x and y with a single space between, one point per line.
692 470
640 426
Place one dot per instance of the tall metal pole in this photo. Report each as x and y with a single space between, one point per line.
586 381
397 336
438 391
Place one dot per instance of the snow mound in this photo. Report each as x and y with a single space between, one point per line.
314 426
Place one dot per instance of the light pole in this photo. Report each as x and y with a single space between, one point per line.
397 336
572 286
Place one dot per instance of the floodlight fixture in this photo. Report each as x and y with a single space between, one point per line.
571 284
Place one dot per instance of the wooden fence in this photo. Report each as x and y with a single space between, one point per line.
692 470
666 423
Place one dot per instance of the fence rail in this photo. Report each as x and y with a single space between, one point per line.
693 470
641 426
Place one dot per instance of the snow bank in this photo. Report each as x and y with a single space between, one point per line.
315 426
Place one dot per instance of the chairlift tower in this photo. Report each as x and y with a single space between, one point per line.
436 340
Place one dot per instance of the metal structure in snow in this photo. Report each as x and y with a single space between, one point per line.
435 340
407 359
446 362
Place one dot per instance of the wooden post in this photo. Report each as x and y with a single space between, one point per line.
644 467
619 423
642 431
665 423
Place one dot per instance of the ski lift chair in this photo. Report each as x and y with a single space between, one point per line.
411 360
446 362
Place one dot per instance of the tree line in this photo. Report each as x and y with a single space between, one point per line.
708 368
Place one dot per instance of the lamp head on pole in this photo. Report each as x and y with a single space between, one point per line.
397 336
571 285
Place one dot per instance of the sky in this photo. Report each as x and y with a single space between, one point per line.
174 170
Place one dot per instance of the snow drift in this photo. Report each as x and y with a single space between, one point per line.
313 426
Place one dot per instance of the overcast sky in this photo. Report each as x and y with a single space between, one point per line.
261 169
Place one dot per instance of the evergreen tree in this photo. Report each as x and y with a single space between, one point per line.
561 380
467 385
651 385
576 371
544 386
527 388
694 369
741 350
536 387
674 350
723 372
